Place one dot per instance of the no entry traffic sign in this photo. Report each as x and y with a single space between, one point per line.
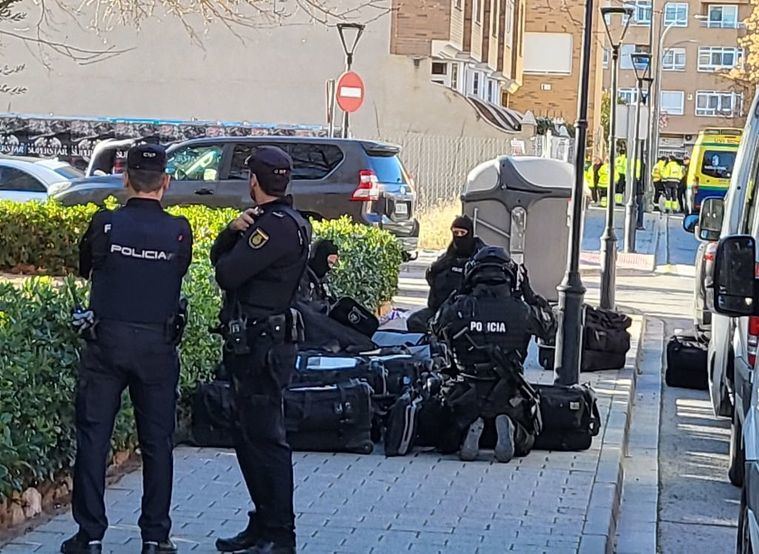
350 92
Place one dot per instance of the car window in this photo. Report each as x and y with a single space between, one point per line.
242 152
388 169
195 163
314 161
12 179
68 172
718 164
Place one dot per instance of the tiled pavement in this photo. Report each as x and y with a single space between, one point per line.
546 502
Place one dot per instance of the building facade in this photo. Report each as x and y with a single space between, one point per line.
552 58
699 47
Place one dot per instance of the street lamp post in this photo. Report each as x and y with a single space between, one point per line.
641 62
645 93
571 290
350 33
616 34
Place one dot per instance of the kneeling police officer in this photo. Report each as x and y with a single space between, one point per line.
135 258
488 327
260 259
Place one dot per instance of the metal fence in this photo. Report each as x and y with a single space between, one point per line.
440 164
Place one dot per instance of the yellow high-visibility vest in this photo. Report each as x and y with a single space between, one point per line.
603 176
620 164
656 173
673 171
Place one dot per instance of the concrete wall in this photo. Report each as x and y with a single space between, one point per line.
275 75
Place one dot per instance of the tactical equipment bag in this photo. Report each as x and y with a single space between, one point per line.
321 368
570 417
352 314
687 362
329 418
213 415
402 422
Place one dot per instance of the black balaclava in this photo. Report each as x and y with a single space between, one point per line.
320 251
464 246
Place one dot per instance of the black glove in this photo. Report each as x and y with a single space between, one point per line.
529 295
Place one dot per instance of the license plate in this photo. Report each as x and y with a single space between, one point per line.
401 209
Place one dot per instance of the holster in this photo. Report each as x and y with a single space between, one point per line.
177 323
281 328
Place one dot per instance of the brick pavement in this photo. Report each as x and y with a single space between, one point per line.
546 502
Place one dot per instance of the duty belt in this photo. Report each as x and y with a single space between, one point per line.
281 328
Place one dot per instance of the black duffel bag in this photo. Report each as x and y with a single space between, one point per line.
570 417
352 314
330 418
213 415
322 368
687 357
606 339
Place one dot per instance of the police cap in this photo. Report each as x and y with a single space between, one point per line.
147 157
273 168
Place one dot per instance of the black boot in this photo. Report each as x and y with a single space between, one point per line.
268 547
79 544
242 540
162 547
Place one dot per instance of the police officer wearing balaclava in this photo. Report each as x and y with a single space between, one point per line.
313 288
260 259
487 327
135 258
446 274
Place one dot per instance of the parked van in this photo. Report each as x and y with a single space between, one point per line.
711 165
732 297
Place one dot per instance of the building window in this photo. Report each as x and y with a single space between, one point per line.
509 18
494 20
673 59
606 58
673 102
628 95
476 83
490 91
439 68
715 58
548 53
723 17
642 15
713 103
476 11
455 76
676 14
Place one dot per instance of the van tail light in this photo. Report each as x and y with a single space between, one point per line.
711 251
695 185
368 187
753 339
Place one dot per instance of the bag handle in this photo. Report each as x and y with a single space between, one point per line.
594 425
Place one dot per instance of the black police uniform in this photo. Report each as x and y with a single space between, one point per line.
488 327
446 274
259 271
135 257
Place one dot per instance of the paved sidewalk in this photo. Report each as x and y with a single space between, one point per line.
546 502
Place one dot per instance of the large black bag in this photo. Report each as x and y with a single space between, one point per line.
687 362
322 332
352 314
402 423
401 371
330 418
213 415
570 417
321 368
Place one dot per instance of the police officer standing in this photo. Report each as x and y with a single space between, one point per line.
488 327
135 258
260 259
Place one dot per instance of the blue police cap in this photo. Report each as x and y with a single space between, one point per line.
147 157
273 167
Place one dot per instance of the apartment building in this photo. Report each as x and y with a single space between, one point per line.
553 41
474 48
699 46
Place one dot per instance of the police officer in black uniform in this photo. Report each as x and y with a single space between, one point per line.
135 258
488 327
446 274
260 259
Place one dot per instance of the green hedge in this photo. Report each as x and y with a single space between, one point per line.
39 352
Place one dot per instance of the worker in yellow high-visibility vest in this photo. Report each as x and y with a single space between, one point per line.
671 177
620 168
656 175
591 178
603 181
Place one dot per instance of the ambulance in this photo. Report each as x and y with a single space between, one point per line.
711 165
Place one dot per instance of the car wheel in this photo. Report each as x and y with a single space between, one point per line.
743 545
737 453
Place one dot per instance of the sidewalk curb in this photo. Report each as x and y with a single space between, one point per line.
599 529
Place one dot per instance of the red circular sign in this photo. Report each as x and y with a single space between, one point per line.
350 92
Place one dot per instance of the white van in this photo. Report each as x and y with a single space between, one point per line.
733 297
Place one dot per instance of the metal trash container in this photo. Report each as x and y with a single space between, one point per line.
522 204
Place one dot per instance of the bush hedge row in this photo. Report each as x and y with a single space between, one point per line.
39 353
